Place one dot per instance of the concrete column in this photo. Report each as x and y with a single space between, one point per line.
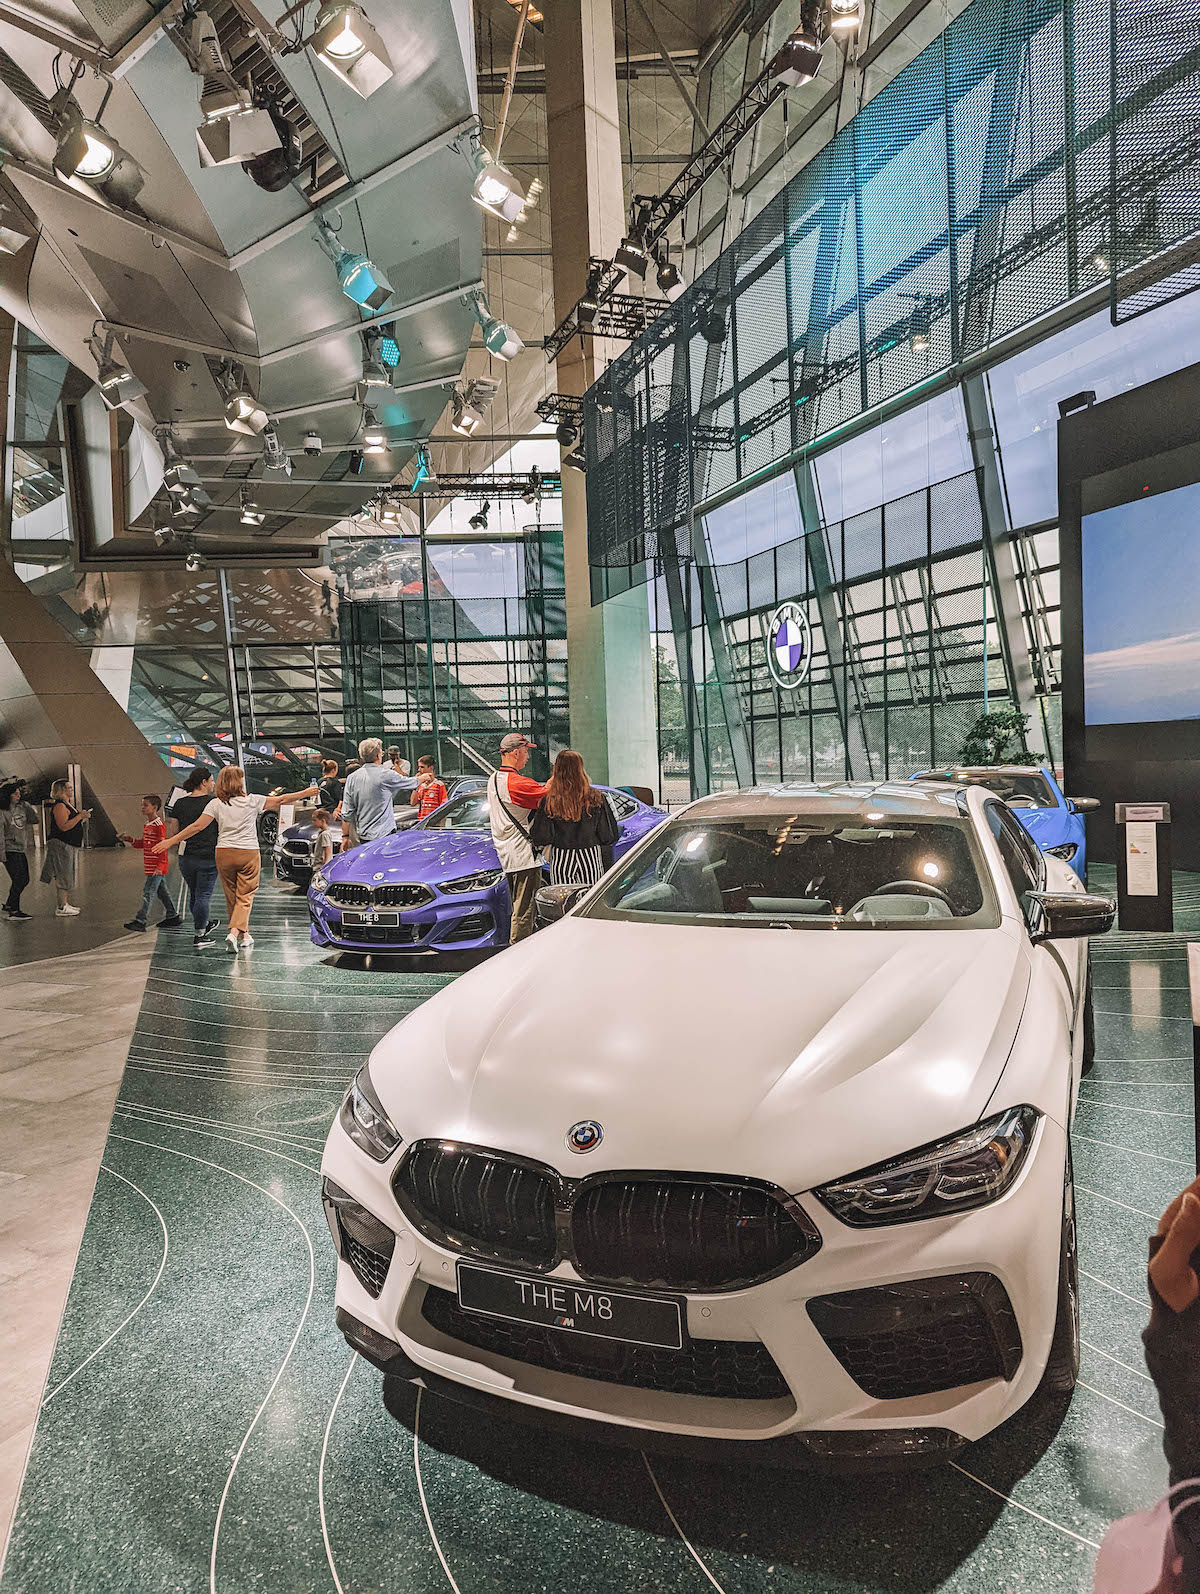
609 662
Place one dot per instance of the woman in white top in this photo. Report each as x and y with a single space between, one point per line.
236 816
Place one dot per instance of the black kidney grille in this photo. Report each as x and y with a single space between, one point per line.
685 1234
724 1369
480 1202
406 896
345 895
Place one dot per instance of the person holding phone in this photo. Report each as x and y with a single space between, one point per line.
62 847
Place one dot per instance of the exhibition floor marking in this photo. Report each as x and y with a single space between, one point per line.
1124 1106
1142 1306
421 1491
1133 1412
1139 1212
125 1321
1130 1151
688 1545
171 1115
321 1475
250 1145
1109 1357
1028 1510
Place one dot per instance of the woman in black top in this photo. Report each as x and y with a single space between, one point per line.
576 823
329 788
63 842
197 860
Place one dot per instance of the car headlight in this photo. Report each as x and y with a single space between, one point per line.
363 1118
481 880
1066 852
967 1170
319 884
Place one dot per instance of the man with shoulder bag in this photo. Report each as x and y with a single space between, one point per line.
512 797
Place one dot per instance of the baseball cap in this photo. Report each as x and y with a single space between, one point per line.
513 740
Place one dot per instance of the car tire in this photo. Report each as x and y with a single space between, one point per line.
1062 1368
1088 1018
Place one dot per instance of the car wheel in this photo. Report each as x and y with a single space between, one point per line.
1089 1020
1062 1369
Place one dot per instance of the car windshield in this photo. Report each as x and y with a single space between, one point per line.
1031 790
807 871
468 812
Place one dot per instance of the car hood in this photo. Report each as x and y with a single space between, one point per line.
430 856
793 1056
1049 827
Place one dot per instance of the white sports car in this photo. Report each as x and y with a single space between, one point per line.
767 1140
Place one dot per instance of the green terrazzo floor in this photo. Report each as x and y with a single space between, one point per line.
205 1427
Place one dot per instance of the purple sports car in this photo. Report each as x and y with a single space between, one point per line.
436 885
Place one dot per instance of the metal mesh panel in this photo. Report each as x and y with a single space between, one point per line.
968 197
1154 219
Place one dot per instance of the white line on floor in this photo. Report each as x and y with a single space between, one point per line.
58 1388
321 1475
312 1270
1153 1421
207 1134
421 1491
1028 1510
1116 1360
687 1543
1124 1294
1113 1202
297 1142
1131 1151
1125 1106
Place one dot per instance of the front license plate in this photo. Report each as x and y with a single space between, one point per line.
574 1308
386 921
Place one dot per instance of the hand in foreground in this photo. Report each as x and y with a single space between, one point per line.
1171 1270
161 847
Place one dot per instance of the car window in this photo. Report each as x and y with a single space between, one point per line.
622 804
1030 790
805 870
468 812
1021 860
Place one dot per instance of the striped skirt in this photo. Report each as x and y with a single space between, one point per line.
576 866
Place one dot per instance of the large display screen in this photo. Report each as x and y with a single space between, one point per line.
1141 610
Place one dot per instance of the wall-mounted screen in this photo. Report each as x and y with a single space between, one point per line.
1141 610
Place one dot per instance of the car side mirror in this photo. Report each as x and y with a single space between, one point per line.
1067 915
552 903
1083 805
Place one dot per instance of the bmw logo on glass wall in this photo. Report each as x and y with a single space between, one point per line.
789 646
585 1136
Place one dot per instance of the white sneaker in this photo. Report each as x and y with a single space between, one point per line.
67 913
247 942
231 943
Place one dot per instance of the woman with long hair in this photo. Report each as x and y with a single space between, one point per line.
235 814
575 822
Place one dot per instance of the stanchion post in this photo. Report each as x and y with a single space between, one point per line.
1194 990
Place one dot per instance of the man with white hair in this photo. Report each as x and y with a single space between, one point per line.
367 811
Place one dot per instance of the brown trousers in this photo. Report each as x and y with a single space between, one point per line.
238 868
522 887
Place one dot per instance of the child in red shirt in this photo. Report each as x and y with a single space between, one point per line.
154 866
431 792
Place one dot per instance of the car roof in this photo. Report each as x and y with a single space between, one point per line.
851 799
985 769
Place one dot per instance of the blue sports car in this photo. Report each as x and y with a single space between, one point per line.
436 886
1055 822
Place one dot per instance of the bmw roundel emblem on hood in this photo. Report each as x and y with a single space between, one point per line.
376 877
585 1136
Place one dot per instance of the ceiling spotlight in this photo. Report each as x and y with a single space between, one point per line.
533 487
195 561
919 323
360 279
349 46
163 535
800 59
237 138
244 414
249 513
191 501
355 463
669 278
495 188
14 233
479 520
498 337
843 15
117 384
374 438
180 478
276 168
1100 262
86 151
633 253
466 419
710 322
275 456
375 373
312 443
389 512
576 459
389 349
565 433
